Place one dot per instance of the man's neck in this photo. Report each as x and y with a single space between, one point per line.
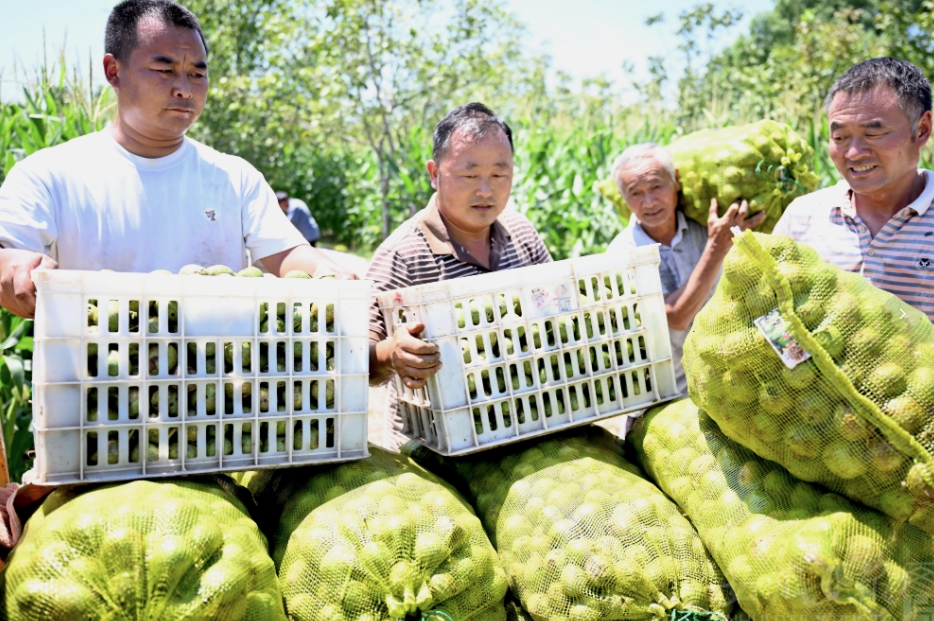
477 243
140 145
664 234
875 210
464 237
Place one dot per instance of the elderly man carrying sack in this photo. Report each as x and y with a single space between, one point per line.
465 230
691 255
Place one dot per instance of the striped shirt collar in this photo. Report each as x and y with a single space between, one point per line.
641 238
920 205
436 232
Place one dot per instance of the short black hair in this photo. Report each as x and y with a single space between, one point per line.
120 36
476 117
911 87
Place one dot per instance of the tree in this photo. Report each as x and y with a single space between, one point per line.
910 32
341 74
253 107
404 64
777 27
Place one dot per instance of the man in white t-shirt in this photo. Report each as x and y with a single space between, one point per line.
139 195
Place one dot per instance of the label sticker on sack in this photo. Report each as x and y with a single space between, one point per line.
775 331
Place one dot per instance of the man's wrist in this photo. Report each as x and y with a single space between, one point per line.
715 250
382 356
380 364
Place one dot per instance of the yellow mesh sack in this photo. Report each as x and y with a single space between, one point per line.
857 415
790 549
583 537
141 551
382 538
766 163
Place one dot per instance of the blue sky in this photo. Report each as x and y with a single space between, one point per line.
584 37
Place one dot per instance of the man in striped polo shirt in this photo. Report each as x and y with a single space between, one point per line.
465 230
879 220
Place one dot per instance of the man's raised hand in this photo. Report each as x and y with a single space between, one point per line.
719 227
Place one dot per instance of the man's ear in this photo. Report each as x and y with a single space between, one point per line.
924 129
112 70
677 180
433 172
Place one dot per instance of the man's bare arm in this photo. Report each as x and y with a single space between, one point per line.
306 259
682 305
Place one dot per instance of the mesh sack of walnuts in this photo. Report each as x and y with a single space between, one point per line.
382 538
848 402
168 550
766 163
583 536
789 549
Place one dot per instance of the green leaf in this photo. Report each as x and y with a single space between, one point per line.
8 163
17 373
17 448
24 344
38 123
15 336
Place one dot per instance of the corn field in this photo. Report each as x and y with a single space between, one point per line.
566 138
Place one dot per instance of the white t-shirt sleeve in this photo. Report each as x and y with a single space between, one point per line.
266 230
27 219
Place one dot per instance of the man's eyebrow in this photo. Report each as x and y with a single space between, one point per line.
644 180
163 59
868 125
201 65
501 164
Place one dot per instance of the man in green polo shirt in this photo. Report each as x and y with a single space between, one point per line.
465 230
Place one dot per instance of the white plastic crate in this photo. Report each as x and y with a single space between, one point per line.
197 374
523 374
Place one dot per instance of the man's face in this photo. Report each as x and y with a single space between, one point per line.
871 140
163 85
473 179
284 204
650 192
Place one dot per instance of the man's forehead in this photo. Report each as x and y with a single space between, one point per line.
643 169
468 149
879 101
155 36
467 137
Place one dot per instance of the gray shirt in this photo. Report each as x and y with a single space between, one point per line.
677 264
299 214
